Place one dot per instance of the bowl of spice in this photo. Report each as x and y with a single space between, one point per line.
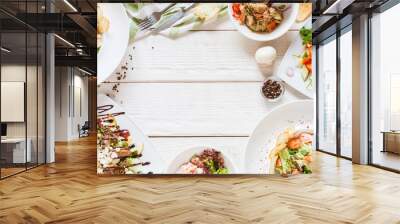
273 89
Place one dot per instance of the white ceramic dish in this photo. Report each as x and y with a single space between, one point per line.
297 114
115 41
289 19
150 154
291 61
185 156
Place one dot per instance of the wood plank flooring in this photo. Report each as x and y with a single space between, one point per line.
69 191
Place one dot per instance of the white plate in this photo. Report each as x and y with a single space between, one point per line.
291 61
185 156
288 20
150 154
298 114
115 41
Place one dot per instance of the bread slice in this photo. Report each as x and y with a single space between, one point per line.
304 12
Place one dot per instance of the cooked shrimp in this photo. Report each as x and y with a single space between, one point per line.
294 143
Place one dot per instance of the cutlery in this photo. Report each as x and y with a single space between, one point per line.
182 8
153 18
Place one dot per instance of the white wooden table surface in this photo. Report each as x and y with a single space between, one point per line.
200 89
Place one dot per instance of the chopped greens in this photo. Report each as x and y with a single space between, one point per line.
306 35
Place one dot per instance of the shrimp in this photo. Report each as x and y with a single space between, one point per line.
294 143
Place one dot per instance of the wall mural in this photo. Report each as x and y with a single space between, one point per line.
205 88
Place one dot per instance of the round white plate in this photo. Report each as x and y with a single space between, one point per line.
185 156
150 153
288 20
298 114
115 41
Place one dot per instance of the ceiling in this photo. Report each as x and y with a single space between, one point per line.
332 15
74 22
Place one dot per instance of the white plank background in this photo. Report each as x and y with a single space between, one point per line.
196 109
200 89
200 56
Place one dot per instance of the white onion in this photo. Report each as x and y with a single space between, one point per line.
265 55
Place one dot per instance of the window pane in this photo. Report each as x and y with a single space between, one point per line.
327 97
385 84
346 93
13 86
31 99
41 99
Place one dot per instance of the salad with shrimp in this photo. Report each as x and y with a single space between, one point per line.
210 161
292 153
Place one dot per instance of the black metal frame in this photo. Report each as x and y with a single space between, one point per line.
29 29
338 96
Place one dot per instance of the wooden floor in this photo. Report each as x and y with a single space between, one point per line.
70 192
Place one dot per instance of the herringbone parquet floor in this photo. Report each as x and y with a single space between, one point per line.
70 192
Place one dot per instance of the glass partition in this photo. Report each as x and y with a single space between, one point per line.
14 155
385 90
32 98
22 77
327 97
346 94
41 97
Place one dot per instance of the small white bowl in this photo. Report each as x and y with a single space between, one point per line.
289 18
186 155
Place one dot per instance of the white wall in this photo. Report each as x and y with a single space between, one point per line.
16 73
33 127
70 84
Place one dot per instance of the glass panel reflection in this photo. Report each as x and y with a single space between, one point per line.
15 151
385 84
346 94
327 97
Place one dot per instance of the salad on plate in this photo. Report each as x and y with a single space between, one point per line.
292 153
305 59
259 17
209 161
116 152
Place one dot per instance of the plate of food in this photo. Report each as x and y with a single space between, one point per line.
272 135
263 21
112 38
296 66
122 148
201 160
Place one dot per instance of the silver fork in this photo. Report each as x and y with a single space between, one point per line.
153 18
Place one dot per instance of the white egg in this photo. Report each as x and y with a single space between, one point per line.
265 55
